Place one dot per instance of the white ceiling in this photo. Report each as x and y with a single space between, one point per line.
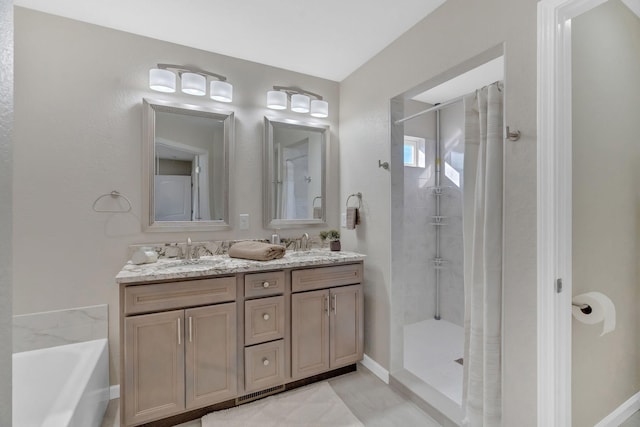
463 84
634 5
324 38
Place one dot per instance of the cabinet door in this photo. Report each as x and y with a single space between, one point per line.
309 333
346 325
210 367
154 366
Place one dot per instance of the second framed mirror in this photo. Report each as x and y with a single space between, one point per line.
294 173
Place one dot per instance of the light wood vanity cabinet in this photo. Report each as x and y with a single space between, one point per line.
179 359
194 343
265 317
326 324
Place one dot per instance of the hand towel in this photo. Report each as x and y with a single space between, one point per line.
353 218
257 251
317 213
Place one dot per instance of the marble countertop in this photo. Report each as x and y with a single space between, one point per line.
172 268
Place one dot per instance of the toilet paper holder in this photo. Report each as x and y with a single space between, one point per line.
585 308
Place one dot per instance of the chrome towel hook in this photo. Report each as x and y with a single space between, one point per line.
513 136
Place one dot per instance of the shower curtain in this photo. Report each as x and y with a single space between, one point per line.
482 395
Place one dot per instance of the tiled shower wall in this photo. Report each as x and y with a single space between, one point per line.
416 271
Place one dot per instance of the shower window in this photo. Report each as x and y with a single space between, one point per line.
414 151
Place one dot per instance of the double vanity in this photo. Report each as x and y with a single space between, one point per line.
219 331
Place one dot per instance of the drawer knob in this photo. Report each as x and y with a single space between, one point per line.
265 361
266 316
265 284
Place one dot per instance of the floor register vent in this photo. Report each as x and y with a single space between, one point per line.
259 394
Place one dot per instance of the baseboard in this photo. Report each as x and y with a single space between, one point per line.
375 368
114 392
622 412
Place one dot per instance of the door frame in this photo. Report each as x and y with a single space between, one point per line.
554 201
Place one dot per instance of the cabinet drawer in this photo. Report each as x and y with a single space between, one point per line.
263 320
166 296
324 277
264 365
263 284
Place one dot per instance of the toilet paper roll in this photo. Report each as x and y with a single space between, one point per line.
602 310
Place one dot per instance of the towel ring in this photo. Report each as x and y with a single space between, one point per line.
313 203
359 196
113 194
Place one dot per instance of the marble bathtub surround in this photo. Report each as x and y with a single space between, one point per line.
53 328
168 269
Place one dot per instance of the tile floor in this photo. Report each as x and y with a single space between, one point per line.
431 348
372 401
633 421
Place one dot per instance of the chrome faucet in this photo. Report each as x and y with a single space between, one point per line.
187 250
304 242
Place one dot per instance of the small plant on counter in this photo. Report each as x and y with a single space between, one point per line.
333 236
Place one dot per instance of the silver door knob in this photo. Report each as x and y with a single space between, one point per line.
265 284
265 361
265 316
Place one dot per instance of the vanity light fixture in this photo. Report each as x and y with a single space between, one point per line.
192 81
276 100
301 101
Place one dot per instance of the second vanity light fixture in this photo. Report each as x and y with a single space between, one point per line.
301 101
192 81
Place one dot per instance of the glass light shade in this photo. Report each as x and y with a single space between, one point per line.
162 80
276 100
194 84
319 108
300 103
221 91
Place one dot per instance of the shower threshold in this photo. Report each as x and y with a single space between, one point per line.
433 365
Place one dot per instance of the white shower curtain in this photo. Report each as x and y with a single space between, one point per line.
482 395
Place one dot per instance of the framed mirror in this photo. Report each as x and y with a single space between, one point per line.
294 173
186 167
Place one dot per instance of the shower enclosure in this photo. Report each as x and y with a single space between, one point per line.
427 256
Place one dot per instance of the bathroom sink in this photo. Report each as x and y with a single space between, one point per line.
201 262
312 253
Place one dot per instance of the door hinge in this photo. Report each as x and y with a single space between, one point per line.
558 285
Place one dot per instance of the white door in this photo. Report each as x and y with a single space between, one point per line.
172 198
588 209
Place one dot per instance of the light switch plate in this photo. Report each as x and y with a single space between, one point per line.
244 221
343 219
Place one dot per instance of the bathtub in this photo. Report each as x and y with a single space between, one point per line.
61 386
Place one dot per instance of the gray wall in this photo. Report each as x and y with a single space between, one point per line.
455 32
6 129
78 132
606 205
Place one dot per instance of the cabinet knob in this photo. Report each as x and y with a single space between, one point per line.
266 316
265 284
265 361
